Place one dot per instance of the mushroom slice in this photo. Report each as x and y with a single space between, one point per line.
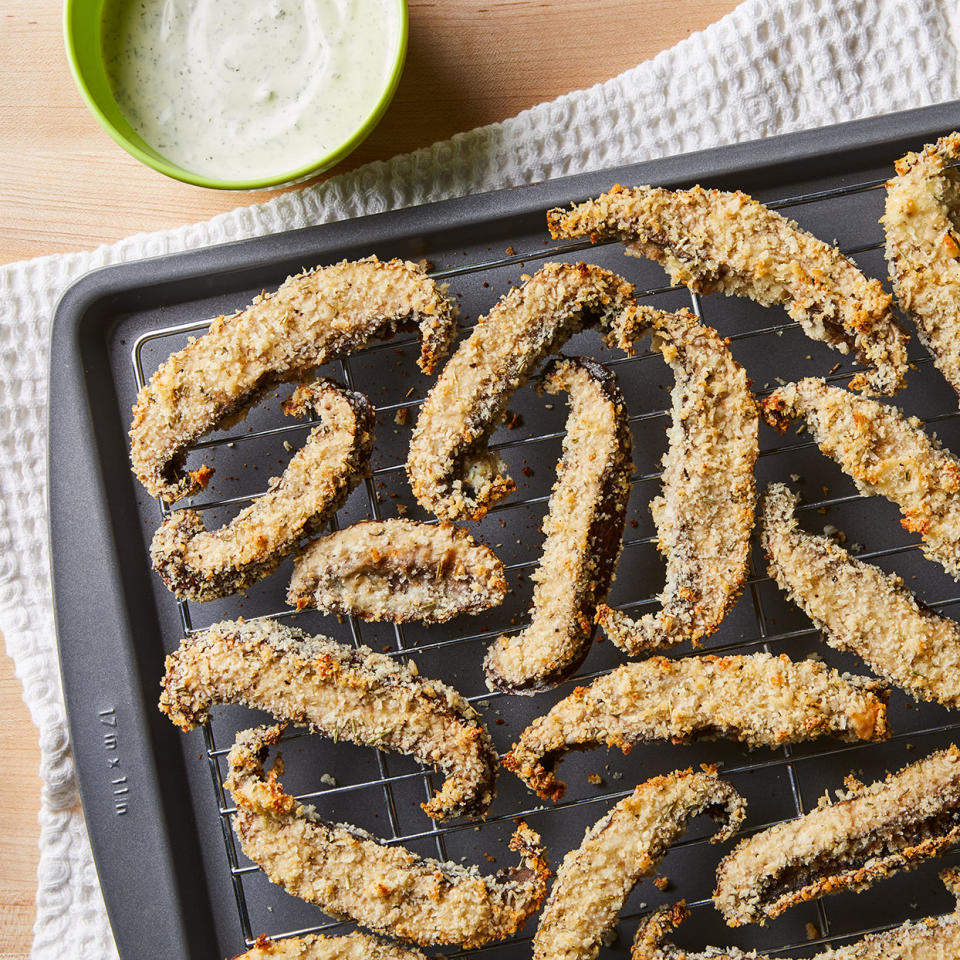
759 700
352 946
314 318
712 240
922 226
705 516
450 468
584 530
398 570
860 608
867 834
341 692
200 564
933 938
885 454
350 873
627 844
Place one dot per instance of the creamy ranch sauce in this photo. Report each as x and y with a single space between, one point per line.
243 89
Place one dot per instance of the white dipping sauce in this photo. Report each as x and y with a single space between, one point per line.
247 89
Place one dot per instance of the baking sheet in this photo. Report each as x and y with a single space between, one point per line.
174 881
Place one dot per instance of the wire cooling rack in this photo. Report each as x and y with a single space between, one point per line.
793 777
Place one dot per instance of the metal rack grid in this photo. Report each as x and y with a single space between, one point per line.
762 640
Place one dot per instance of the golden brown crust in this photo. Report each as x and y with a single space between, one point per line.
860 608
654 929
711 240
704 516
933 938
622 847
398 570
450 468
352 946
922 226
311 319
339 691
350 873
584 532
885 454
759 700
200 564
865 835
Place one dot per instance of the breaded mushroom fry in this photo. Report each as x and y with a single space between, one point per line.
759 700
885 454
350 873
866 834
627 844
352 946
398 570
922 227
200 564
933 938
711 240
313 318
583 527
860 608
451 470
338 691
704 516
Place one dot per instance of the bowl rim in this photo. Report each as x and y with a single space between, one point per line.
170 169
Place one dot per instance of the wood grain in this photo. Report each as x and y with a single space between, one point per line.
67 186
64 185
19 803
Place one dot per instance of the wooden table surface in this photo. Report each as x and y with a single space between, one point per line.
64 185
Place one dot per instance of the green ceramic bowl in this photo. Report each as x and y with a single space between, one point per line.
82 34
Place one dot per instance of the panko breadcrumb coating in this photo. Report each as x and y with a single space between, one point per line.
712 240
352 946
451 470
313 318
341 692
704 516
922 227
398 570
933 938
866 834
584 531
348 872
860 608
200 564
759 700
622 847
885 454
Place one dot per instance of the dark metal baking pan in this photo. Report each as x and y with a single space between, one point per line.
174 882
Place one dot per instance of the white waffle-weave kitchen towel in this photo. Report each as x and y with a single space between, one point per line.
769 67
